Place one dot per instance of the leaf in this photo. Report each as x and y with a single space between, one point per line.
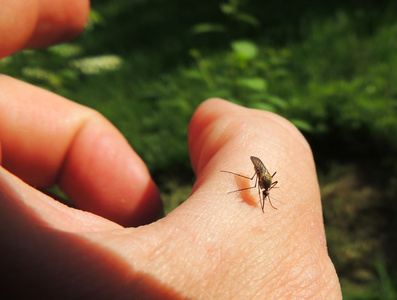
276 101
207 27
253 83
245 50
193 74
248 19
227 9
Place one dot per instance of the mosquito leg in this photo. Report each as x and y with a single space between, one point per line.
271 202
261 201
250 178
273 185
248 188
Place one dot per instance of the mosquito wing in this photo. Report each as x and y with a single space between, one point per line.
265 179
259 166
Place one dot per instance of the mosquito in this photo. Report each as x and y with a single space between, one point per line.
263 180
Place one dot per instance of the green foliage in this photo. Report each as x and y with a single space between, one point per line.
207 28
244 51
384 287
233 9
244 73
44 68
345 88
387 289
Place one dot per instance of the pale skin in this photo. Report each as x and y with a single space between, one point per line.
214 246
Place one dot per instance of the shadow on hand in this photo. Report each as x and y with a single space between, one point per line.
39 262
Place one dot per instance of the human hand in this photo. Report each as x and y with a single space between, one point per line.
214 245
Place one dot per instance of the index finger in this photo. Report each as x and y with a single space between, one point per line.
46 139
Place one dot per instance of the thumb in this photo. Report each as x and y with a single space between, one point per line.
227 134
286 247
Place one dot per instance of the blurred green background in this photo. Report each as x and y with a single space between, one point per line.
329 67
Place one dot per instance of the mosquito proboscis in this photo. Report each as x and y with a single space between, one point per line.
263 181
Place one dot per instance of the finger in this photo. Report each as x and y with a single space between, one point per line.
58 21
229 135
223 136
17 22
47 139
39 23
